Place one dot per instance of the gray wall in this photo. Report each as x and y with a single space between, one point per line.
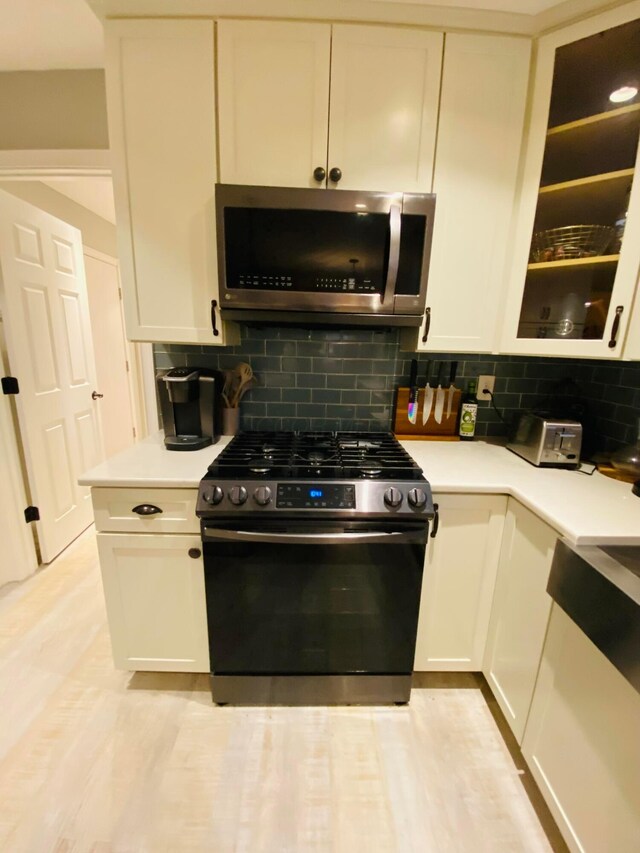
53 110
346 380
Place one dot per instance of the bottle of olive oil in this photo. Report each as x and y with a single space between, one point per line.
468 412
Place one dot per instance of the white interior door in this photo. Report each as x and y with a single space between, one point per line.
110 352
50 351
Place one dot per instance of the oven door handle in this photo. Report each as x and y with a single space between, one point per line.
346 538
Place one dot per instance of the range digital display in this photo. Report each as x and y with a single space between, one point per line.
310 496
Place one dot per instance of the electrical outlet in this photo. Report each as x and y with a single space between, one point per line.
485 382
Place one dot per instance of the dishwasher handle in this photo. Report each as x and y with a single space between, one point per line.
337 538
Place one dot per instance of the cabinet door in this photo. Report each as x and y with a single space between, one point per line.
575 265
582 744
484 93
161 103
273 90
457 587
519 614
385 85
154 592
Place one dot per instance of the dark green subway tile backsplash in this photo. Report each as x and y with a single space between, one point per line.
335 379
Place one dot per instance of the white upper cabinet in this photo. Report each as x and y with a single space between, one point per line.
273 91
297 100
575 265
482 106
162 129
385 86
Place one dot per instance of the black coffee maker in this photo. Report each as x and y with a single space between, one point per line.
190 402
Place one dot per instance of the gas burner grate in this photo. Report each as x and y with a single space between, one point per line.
326 455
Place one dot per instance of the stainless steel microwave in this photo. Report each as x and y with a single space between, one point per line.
339 257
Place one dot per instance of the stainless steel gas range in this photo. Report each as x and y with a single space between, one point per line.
314 546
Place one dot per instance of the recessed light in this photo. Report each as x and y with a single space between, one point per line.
361 206
624 93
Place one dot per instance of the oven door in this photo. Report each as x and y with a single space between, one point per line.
301 599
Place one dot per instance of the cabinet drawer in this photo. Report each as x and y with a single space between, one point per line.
113 510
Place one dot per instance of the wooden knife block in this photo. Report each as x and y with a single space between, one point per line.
445 431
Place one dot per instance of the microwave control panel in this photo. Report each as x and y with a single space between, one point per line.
320 284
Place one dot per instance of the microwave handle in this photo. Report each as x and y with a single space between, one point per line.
395 221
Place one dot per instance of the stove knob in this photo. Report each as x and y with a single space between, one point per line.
237 495
213 496
417 498
393 497
262 495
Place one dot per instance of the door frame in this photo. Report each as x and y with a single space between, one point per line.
134 377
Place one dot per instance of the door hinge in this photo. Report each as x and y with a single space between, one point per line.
127 366
31 513
10 385
120 293
134 431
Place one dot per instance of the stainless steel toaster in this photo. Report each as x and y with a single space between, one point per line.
546 442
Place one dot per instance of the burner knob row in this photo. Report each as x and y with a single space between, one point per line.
238 495
416 497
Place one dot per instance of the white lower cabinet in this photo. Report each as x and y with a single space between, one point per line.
457 587
155 598
520 613
582 743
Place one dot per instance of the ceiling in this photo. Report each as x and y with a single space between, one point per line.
47 34
522 7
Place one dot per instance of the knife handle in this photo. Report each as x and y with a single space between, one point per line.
413 376
439 376
426 372
452 372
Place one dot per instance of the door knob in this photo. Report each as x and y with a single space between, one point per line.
319 174
96 396
335 174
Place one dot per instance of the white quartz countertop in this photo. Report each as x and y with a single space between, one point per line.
149 463
585 509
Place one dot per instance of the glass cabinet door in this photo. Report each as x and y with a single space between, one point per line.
585 185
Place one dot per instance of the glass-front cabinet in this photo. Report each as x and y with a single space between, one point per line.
577 244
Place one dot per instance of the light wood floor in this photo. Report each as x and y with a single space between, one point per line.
92 759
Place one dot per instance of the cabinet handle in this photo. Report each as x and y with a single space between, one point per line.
146 509
214 305
335 174
427 324
436 521
615 327
319 174
194 553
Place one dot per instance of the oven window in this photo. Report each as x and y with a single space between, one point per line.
305 250
312 609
